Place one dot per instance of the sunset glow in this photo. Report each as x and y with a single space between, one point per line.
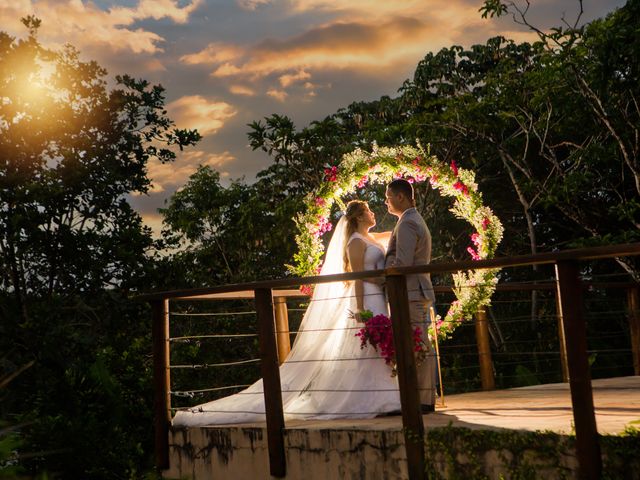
227 64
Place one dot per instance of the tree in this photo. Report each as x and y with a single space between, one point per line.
233 234
299 156
71 249
583 123
70 150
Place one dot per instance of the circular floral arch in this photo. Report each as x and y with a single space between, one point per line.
473 288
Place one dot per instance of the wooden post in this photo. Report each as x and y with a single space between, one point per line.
484 351
575 332
633 302
436 342
561 340
412 420
282 328
271 381
161 380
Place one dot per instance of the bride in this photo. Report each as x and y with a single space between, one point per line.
326 375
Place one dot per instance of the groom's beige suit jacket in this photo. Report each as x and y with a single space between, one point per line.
410 245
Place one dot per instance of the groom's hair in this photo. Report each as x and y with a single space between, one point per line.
400 185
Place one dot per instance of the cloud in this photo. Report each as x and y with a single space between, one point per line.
279 95
356 37
85 24
251 4
287 66
310 90
156 9
242 90
338 45
195 111
216 52
288 79
168 175
154 65
226 70
368 8
458 15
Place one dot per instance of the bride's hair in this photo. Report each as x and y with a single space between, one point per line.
355 208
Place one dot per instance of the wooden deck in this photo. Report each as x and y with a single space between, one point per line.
539 407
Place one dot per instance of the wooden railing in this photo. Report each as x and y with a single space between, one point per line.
572 328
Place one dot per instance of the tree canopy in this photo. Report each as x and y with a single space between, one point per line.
70 149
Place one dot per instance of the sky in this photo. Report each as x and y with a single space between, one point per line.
226 63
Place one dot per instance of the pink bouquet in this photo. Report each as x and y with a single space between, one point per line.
378 333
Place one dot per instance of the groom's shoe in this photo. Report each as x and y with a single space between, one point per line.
427 408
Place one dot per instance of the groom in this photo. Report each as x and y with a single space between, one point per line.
410 245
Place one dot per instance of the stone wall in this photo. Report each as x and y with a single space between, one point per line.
319 454
342 452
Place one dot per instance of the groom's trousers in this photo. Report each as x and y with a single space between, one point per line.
419 313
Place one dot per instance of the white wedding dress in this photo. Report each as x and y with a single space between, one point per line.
326 375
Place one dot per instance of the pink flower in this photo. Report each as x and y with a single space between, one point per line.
331 174
485 223
461 187
320 202
454 311
454 167
323 226
434 180
475 238
363 181
420 178
473 253
411 180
